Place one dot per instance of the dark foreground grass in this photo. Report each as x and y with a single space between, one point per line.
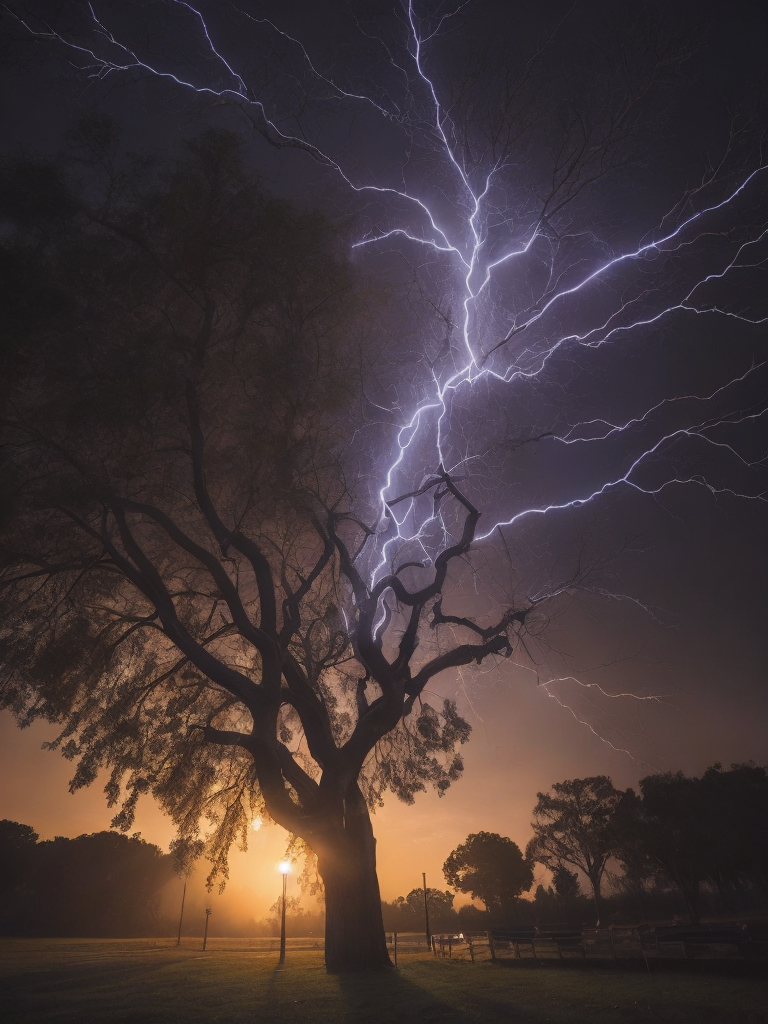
90 982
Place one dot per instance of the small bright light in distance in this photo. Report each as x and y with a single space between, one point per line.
256 824
284 867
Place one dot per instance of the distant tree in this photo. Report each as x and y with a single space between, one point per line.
689 831
560 901
100 884
473 919
638 873
736 805
572 825
439 903
406 913
667 827
544 903
566 884
17 848
489 867
17 842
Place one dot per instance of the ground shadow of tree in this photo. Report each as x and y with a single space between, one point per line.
367 997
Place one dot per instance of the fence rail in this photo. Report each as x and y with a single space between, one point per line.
721 941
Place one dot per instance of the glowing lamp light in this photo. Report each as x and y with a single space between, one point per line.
256 824
284 867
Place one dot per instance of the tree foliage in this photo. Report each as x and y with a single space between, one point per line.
489 867
100 884
689 832
572 825
17 843
406 913
566 884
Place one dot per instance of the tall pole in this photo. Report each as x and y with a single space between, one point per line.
282 922
426 909
208 913
181 915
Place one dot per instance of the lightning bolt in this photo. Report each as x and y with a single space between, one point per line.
595 733
514 348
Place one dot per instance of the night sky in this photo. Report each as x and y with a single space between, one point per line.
660 663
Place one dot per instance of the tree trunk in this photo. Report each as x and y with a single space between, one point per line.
598 900
354 927
691 897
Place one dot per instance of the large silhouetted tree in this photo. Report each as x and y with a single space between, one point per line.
184 579
572 825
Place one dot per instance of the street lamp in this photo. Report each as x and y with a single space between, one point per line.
283 867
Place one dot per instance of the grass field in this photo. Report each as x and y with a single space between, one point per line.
152 981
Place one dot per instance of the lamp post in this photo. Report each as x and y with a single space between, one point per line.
181 915
283 867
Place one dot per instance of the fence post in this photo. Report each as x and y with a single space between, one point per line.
471 950
394 945
491 945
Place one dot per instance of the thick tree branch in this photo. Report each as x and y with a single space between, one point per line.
142 573
464 654
292 603
513 615
265 644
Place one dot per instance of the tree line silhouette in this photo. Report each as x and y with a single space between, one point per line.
105 884
681 846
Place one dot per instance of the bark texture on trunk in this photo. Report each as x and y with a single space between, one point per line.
354 927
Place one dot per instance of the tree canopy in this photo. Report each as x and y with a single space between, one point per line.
105 884
406 913
689 831
489 867
573 825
